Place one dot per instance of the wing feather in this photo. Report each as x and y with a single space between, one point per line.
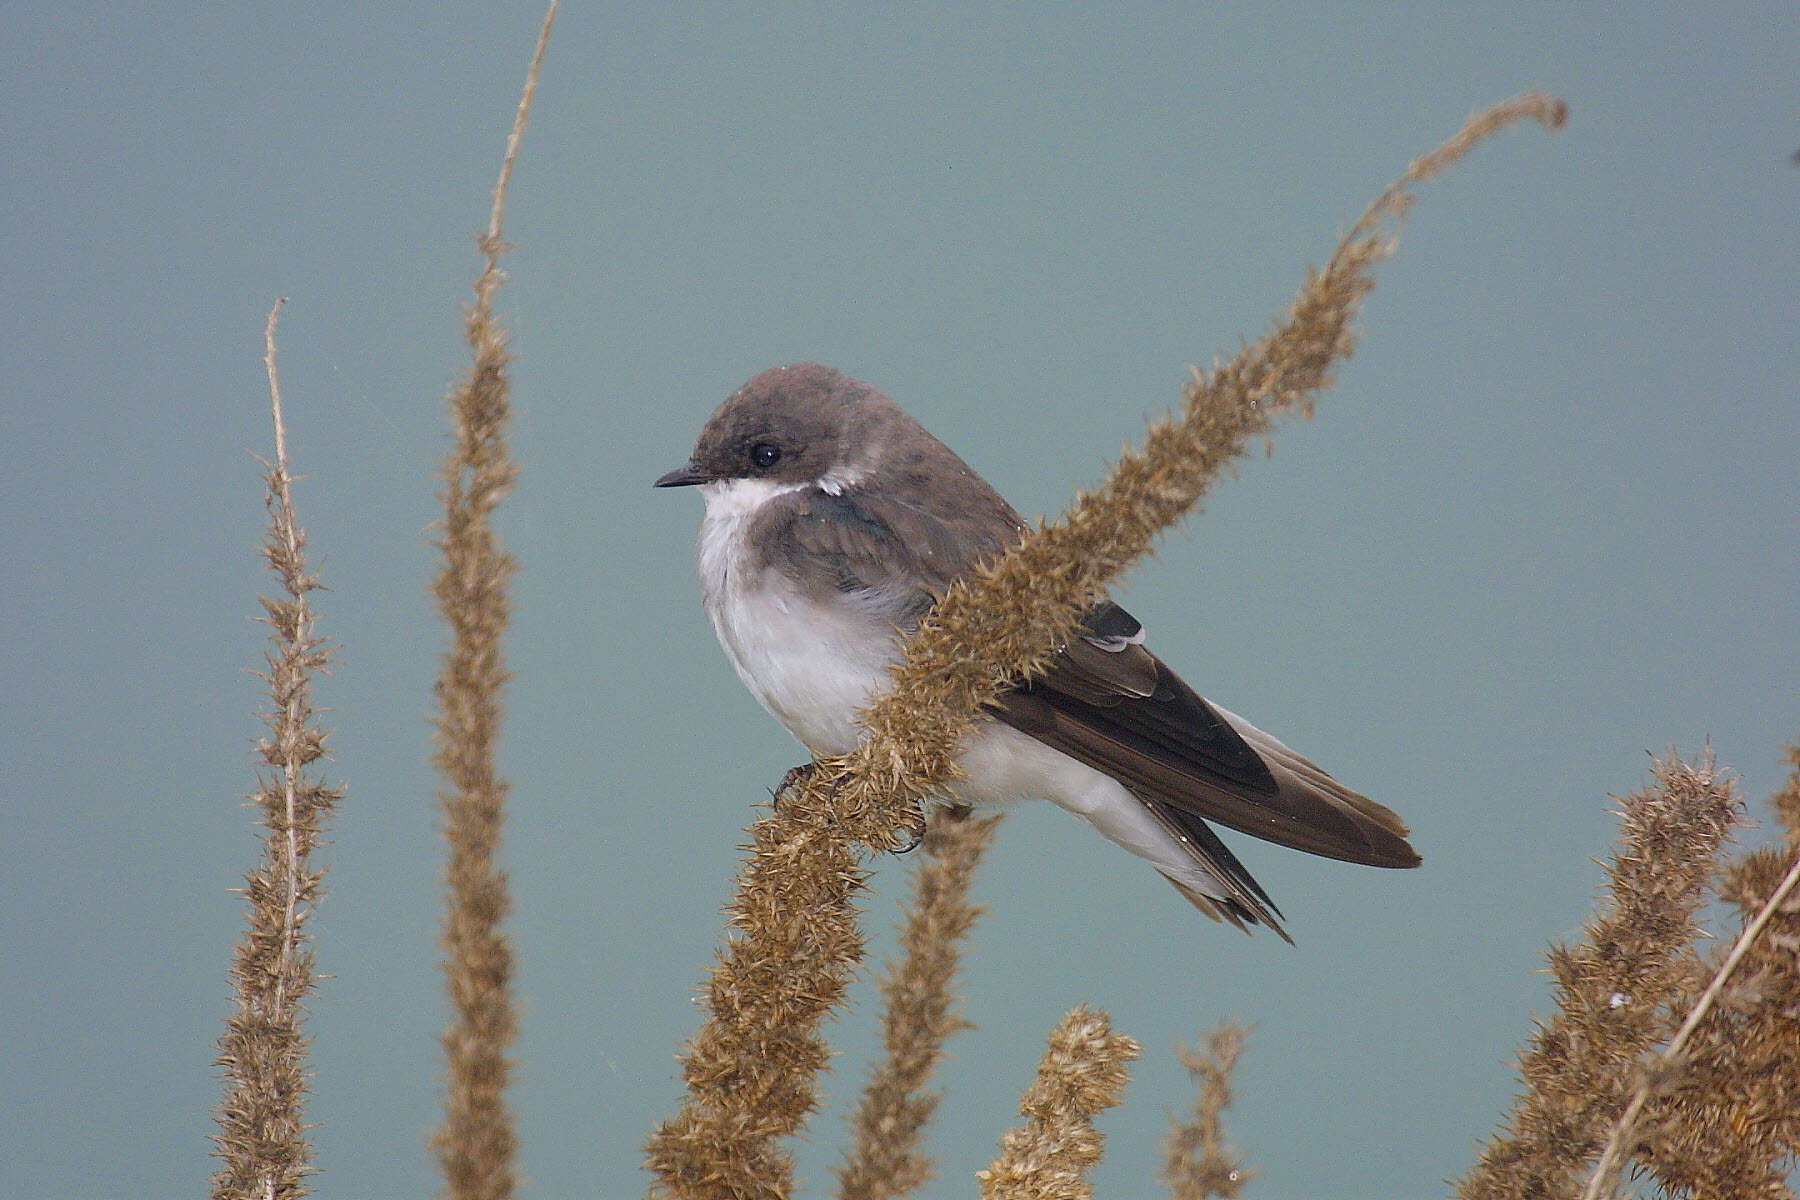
1165 742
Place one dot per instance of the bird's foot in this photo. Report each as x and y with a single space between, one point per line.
794 778
915 832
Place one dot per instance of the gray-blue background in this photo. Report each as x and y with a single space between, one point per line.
1545 523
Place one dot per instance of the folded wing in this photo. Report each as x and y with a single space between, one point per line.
1108 702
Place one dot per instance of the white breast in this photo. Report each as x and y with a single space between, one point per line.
813 665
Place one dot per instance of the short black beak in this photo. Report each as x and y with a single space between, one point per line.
686 476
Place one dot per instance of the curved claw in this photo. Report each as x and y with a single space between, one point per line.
794 777
916 828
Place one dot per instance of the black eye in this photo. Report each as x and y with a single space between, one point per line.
765 455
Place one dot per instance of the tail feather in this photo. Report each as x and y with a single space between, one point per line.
1383 833
1246 903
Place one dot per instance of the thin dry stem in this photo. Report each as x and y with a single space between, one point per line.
1613 987
1197 1160
751 1068
476 1144
287 528
1082 1074
1547 110
1717 1113
517 133
920 1012
262 1128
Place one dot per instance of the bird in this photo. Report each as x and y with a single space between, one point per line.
834 521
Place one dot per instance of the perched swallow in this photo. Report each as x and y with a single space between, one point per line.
834 521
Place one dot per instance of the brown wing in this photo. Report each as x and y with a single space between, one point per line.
1108 702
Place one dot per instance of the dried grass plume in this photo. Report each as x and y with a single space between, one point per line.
1614 986
1082 1073
262 1127
1716 1112
476 1144
919 1013
1198 1163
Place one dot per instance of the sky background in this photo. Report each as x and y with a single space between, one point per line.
1546 522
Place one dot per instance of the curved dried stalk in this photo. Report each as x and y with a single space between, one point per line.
750 1069
476 1144
261 1120
1009 617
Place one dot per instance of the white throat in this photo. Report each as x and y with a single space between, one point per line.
813 664
731 508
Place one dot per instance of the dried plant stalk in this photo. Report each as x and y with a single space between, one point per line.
750 1068
476 1145
1197 1160
1613 987
1725 1122
262 1129
919 1013
1082 1074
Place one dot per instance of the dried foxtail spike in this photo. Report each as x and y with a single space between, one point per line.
476 1144
1717 1113
1082 1074
919 1013
1197 1161
1613 987
751 1068
262 1129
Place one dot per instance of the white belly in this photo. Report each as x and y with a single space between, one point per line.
813 667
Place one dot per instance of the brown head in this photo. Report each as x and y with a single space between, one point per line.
804 423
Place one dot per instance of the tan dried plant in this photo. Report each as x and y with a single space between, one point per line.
919 1014
262 1128
1716 1114
751 1069
1082 1074
1198 1163
476 1144
1614 987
